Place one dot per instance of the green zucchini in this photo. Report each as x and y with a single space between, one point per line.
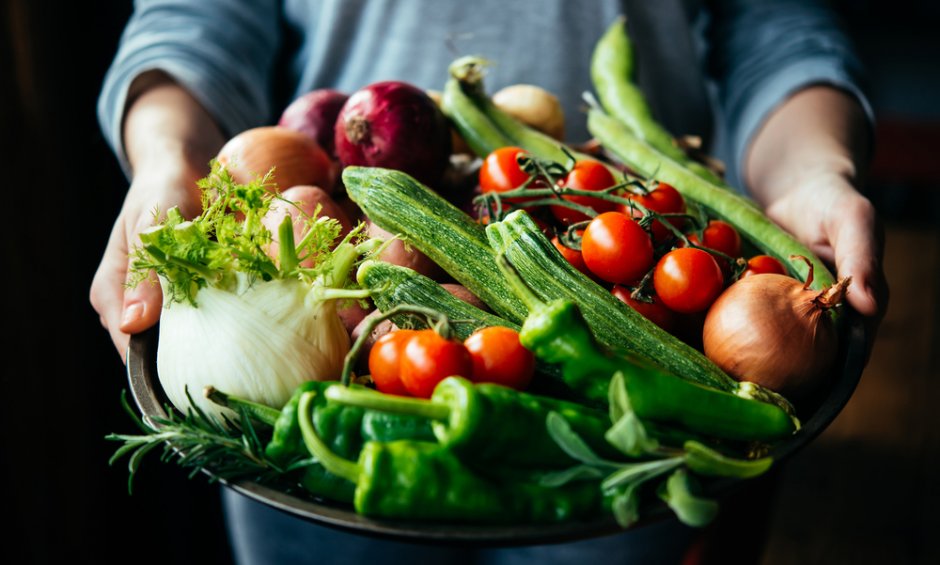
401 205
734 208
614 324
390 285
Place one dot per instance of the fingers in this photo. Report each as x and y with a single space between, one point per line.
858 242
123 311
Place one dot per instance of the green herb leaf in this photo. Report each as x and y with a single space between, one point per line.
626 506
576 473
628 434
710 463
678 491
571 443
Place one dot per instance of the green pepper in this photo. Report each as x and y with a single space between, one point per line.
557 333
345 428
425 480
486 422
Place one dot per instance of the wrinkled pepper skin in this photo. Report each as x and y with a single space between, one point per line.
344 429
557 333
425 481
493 423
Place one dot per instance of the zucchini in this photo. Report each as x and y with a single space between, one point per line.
392 285
614 324
398 203
734 208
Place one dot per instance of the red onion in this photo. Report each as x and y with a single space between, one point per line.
315 114
775 331
397 126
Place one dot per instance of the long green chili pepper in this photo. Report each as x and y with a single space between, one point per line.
557 333
486 422
424 480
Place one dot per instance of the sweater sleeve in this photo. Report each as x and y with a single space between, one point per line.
763 51
222 51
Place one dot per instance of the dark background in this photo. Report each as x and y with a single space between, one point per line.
62 189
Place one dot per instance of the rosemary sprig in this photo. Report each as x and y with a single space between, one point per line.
227 450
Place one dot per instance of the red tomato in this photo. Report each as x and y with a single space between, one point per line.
663 198
585 175
500 171
763 264
687 280
720 236
499 358
616 248
385 361
573 256
654 311
428 358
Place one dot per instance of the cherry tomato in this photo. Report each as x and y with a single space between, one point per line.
428 358
499 358
763 264
585 175
663 198
720 236
500 171
385 362
616 248
573 256
654 311
687 280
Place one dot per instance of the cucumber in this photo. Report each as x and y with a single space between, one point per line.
729 206
398 203
614 324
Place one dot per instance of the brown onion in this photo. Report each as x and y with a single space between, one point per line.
775 331
295 157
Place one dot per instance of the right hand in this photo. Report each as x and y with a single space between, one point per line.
123 310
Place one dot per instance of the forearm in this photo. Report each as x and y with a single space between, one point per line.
820 132
166 130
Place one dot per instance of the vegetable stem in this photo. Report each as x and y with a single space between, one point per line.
369 399
332 462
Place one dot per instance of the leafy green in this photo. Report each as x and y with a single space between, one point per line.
679 492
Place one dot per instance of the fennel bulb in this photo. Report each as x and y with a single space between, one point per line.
236 319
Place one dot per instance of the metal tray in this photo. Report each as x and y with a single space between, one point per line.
815 413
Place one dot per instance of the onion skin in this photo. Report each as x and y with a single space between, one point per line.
295 157
314 114
772 330
533 106
397 126
397 252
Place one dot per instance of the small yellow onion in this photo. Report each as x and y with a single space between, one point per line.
775 331
534 106
295 157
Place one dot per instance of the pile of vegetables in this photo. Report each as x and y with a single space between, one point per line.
605 325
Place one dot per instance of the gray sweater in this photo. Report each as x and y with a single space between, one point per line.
245 60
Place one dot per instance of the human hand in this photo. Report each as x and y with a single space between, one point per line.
841 226
170 139
124 310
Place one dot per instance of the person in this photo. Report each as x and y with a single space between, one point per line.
774 87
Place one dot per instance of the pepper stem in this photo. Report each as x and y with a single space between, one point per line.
262 413
332 462
368 399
